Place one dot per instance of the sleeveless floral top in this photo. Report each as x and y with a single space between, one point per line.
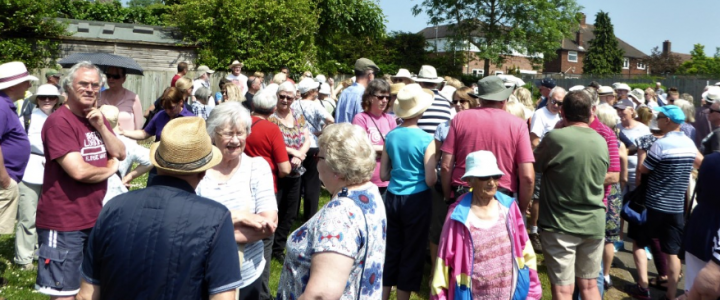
294 136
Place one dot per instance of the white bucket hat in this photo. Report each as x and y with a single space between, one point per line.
13 73
638 94
403 73
411 101
324 89
47 90
481 164
427 74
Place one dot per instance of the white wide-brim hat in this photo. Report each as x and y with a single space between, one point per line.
411 101
403 73
47 90
481 164
14 73
711 95
427 74
623 86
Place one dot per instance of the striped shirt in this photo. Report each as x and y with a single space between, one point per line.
250 189
439 112
670 159
612 144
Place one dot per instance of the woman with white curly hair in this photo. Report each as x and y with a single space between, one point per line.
339 253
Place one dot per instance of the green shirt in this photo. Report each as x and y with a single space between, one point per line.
573 162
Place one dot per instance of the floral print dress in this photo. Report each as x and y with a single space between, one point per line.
351 224
294 136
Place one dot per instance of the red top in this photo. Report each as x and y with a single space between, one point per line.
267 141
493 130
175 79
66 204
612 143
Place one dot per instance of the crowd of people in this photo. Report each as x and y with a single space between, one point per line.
478 179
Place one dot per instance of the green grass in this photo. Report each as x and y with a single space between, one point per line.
21 283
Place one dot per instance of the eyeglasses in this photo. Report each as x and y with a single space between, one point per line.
558 103
230 135
113 76
46 98
286 97
461 101
87 85
496 177
382 97
712 110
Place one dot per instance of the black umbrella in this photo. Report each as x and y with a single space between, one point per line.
103 60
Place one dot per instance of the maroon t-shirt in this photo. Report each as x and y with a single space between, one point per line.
66 204
175 79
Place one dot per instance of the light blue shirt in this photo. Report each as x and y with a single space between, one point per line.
406 149
349 104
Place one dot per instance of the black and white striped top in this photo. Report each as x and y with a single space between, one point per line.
439 112
671 159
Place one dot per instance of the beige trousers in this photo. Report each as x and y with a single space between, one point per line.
8 207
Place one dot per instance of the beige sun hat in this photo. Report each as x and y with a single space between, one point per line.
14 73
396 87
403 73
47 90
428 74
185 147
236 63
412 101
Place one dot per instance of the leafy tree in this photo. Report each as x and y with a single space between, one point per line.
112 12
407 51
497 27
605 57
28 33
263 34
700 63
143 3
662 63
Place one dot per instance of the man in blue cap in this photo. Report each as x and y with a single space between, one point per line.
668 165
546 85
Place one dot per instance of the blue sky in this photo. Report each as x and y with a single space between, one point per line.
641 23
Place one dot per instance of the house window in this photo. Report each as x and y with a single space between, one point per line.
572 56
499 72
626 63
478 72
640 65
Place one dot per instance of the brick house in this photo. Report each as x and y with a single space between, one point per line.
439 41
569 60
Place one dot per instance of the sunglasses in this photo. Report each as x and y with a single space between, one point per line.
558 103
113 76
285 97
712 110
461 101
496 177
382 97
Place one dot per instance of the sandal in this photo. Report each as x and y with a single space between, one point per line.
657 283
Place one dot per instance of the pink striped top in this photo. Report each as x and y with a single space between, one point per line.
492 270
612 143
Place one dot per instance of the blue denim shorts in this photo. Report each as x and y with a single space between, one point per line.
60 257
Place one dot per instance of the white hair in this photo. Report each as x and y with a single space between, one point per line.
348 152
264 100
557 89
287 86
229 114
68 83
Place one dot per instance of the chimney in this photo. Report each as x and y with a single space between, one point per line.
582 20
578 38
666 47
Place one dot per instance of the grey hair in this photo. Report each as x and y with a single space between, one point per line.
687 108
70 78
348 152
231 114
264 100
607 115
287 86
557 89
203 93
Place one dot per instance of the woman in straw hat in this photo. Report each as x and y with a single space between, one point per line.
408 162
245 186
47 100
376 122
339 253
484 240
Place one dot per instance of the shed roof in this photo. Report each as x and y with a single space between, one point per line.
129 33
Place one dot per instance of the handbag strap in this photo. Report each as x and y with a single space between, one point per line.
306 118
376 127
344 193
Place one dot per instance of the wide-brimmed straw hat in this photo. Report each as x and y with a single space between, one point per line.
396 87
638 95
185 147
236 63
403 73
427 74
411 101
605 91
492 88
14 73
47 90
481 164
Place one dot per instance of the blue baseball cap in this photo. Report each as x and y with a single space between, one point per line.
673 113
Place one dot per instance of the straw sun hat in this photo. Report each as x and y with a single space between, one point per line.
412 101
185 147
